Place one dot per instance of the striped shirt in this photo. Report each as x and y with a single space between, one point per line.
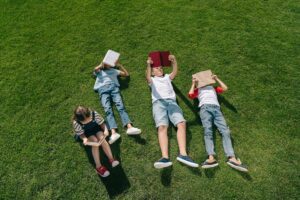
78 130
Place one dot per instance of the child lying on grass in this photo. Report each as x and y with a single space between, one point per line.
210 113
165 108
90 127
107 85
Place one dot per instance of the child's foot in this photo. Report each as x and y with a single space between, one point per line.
133 131
187 160
237 164
114 137
162 163
209 164
114 162
102 171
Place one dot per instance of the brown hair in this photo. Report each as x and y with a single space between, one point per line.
81 113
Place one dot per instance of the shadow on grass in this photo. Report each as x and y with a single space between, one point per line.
138 139
210 173
166 176
226 103
124 82
117 182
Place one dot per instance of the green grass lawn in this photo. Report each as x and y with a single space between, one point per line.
49 48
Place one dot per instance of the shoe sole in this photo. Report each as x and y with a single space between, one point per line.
187 163
162 165
134 133
209 166
112 141
242 169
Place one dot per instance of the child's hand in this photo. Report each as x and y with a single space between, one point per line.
99 67
149 61
85 140
172 58
194 81
214 76
106 133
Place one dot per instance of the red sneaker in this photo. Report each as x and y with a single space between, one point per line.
114 162
102 171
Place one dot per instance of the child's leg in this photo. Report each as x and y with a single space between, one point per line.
105 101
95 151
206 119
160 116
163 140
181 138
220 122
176 117
117 99
105 146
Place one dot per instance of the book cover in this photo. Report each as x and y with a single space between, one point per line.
204 78
111 57
160 58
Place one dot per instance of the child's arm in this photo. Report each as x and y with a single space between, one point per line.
84 138
148 70
192 93
193 86
123 71
222 85
174 65
104 127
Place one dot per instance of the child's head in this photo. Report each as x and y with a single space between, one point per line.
157 71
81 113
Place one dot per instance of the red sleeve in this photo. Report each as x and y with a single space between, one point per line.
194 95
219 90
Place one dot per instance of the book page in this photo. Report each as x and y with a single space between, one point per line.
204 78
111 58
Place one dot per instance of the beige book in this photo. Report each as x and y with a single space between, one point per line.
204 78
111 57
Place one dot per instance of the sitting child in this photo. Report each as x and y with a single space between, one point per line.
165 108
107 85
90 127
210 113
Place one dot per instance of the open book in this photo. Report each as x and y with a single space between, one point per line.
96 143
204 78
160 58
111 58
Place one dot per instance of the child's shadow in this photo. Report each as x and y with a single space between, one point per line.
124 82
117 182
166 176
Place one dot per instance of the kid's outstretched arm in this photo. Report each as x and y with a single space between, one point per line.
174 65
148 70
191 92
124 72
222 85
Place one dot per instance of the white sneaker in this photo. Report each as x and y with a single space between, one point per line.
133 131
114 137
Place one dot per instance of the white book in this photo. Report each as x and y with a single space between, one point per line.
111 58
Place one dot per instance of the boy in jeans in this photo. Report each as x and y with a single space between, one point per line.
165 108
107 85
210 113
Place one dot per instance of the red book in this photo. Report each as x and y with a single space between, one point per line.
160 58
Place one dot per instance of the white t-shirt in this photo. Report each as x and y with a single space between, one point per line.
207 95
162 88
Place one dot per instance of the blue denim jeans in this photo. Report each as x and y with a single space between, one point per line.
106 93
165 110
211 114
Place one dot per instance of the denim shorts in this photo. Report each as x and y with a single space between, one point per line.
165 110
